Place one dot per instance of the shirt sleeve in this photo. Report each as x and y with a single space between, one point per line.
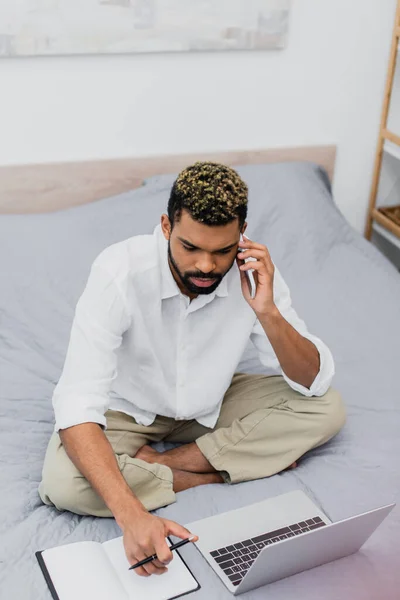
101 318
266 352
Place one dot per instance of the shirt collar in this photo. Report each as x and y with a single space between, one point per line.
169 287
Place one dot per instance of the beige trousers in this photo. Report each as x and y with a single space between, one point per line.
263 427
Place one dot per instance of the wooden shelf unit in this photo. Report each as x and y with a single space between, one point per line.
386 222
387 139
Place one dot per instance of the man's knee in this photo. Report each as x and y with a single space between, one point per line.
73 494
333 414
64 487
61 492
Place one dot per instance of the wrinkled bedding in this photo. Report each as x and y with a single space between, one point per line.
344 289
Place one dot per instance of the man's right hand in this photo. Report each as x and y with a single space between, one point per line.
145 535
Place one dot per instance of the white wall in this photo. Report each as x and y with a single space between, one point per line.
326 87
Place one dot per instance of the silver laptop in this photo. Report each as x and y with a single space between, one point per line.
276 538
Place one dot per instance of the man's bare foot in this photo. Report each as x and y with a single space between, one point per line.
186 457
290 467
148 454
183 480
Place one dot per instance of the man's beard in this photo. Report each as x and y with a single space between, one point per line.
189 285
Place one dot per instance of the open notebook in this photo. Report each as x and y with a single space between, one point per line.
92 570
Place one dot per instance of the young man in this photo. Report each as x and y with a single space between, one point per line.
158 333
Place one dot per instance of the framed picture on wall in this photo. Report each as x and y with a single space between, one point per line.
59 27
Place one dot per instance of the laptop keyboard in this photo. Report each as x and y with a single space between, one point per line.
236 560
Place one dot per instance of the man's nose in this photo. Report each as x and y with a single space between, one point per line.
205 264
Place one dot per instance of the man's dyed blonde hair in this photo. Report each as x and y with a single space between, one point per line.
212 193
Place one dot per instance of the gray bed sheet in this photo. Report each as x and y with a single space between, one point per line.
348 294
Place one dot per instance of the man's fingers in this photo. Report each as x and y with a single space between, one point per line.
163 552
260 255
247 245
178 530
155 567
252 253
151 568
255 265
162 571
248 242
139 570
157 544
160 564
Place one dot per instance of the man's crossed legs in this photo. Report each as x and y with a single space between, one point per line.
263 428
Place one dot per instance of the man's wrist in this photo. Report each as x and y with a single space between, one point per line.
128 509
271 313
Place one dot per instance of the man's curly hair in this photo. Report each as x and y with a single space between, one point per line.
212 193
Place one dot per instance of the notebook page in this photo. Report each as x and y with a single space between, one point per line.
82 571
178 580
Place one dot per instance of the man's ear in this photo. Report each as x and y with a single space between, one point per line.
166 226
243 228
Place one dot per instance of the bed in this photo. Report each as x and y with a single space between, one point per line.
345 290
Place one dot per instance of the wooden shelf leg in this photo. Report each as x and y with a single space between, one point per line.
374 189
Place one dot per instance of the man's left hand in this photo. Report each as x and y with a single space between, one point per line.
263 301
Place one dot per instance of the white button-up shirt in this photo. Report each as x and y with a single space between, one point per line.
139 346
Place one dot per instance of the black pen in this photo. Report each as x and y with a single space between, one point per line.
154 556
